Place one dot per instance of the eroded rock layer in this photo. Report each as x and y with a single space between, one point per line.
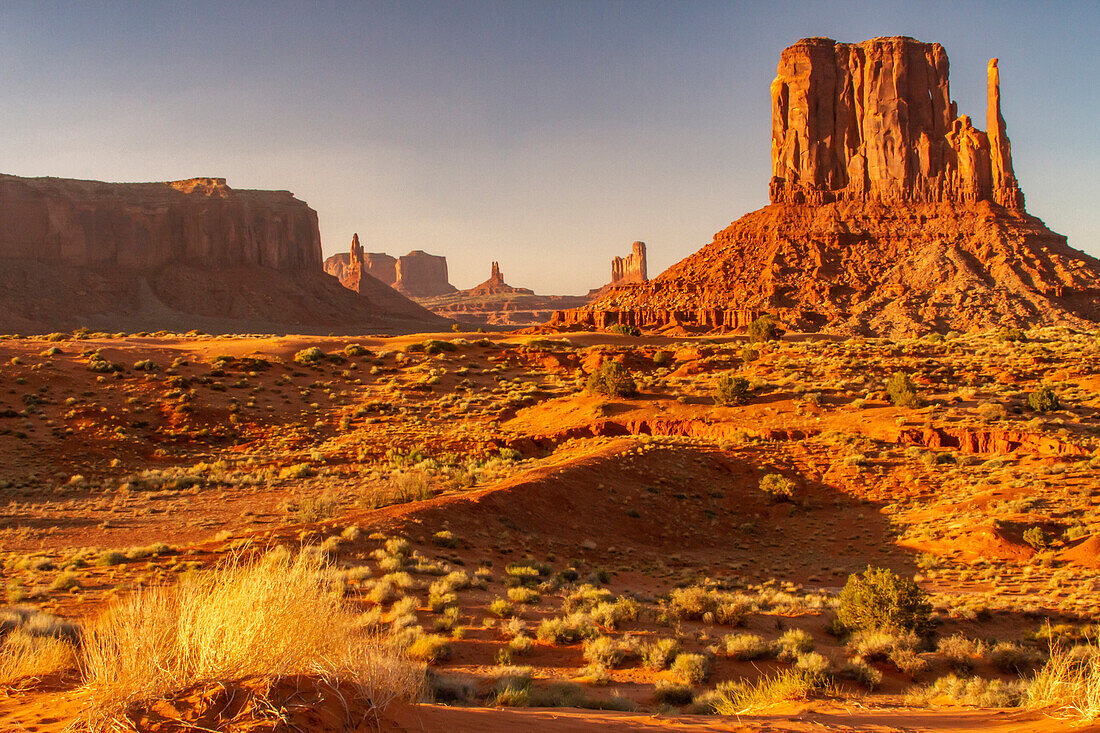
192 254
891 214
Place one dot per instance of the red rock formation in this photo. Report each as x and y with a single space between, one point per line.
180 255
421 275
495 285
875 121
630 269
378 265
892 214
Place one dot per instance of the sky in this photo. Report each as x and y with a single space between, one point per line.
547 136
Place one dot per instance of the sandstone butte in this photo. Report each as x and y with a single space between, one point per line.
193 254
417 274
890 214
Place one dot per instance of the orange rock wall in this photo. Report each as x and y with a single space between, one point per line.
875 121
145 226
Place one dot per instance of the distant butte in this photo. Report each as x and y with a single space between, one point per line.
891 214
182 255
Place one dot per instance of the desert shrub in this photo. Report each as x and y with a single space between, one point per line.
860 671
429 648
666 692
624 330
794 642
659 654
967 691
1069 683
731 389
1036 537
813 664
585 598
444 538
566 629
764 328
692 668
308 356
259 620
749 354
745 646
1012 658
523 594
612 379
26 657
777 486
901 391
1006 335
960 652
353 350
605 651
611 614
879 600
1043 400
520 644
908 661
502 608
741 698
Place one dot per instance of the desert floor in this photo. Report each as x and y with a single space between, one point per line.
468 488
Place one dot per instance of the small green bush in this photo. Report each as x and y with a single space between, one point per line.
312 355
1036 537
1043 400
613 379
764 328
901 391
777 486
731 389
624 330
880 600
692 668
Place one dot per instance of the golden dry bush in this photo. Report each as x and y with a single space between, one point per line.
26 658
1069 683
267 620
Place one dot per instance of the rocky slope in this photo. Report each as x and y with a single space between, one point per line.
183 255
891 214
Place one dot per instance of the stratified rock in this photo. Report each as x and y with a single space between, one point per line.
180 255
378 265
891 215
421 275
875 121
630 269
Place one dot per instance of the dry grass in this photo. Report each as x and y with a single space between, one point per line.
26 658
1069 683
267 620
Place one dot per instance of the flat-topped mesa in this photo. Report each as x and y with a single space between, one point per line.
143 226
421 275
630 269
875 121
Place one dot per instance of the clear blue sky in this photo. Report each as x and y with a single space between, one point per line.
545 135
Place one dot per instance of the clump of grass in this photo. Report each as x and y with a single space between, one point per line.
745 646
960 652
429 648
666 692
967 691
258 620
659 654
1069 683
740 698
691 668
794 642
27 657
566 629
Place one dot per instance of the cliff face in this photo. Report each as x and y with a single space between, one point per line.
421 275
630 269
142 226
891 215
378 265
180 255
875 121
